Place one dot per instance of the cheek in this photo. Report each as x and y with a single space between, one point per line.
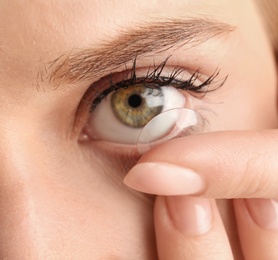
96 211
63 204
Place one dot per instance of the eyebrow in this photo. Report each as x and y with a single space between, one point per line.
155 37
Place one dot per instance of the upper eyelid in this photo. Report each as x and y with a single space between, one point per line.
152 78
91 63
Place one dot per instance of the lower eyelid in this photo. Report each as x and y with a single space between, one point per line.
128 152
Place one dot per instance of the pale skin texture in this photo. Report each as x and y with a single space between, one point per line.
62 198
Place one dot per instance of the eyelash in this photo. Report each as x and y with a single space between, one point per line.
154 79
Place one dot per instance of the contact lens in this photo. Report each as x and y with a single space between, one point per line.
167 125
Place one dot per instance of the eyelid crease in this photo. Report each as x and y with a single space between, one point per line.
88 64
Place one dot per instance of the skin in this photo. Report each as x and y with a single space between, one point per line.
62 195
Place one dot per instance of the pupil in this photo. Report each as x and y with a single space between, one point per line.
134 101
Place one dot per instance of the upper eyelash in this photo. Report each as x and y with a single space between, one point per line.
153 79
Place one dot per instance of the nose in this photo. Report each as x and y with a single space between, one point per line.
30 206
21 205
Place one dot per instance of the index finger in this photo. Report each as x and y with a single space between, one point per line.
229 164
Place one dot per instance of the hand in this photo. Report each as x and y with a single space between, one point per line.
234 164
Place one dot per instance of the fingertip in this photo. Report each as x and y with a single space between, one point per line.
190 215
257 227
184 224
264 212
164 179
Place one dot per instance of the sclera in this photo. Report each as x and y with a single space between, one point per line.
170 124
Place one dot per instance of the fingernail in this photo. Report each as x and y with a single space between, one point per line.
190 215
264 212
164 179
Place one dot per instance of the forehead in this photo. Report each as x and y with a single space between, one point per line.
63 22
33 30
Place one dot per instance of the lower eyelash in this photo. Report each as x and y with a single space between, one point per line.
154 79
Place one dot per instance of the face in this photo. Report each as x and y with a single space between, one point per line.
69 68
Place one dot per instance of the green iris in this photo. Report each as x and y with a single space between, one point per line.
137 105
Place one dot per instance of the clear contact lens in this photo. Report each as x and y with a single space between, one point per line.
170 124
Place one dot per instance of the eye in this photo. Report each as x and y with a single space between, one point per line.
119 112
122 115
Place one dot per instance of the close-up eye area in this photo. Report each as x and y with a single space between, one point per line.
121 116
119 112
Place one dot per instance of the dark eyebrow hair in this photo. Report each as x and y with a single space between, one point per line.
87 64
